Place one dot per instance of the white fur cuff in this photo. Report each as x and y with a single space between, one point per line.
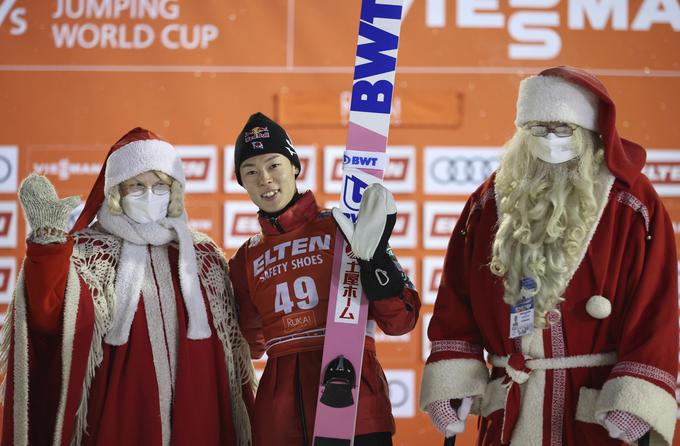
452 378
643 399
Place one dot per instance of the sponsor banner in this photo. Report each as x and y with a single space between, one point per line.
439 219
383 338
200 167
8 224
458 170
8 274
240 223
408 264
204 216
404 233
432 275
402 391
9 162
663 170
72 169
425 344
399 175
305 181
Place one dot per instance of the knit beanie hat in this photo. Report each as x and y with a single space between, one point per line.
259 136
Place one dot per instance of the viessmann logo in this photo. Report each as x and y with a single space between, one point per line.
65 168
458 170
663 170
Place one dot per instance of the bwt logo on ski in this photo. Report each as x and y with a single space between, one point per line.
14 16
360 161
367 96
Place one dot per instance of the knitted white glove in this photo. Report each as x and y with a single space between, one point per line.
625 426
448 419
46 213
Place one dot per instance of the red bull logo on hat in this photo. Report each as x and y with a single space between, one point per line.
256 133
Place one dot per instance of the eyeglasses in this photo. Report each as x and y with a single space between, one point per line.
559 129
137 190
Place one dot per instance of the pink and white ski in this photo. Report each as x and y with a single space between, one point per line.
364 162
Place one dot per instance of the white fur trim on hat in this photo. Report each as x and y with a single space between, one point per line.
599 307
142 156
552 98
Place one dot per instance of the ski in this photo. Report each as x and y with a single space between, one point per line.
364 162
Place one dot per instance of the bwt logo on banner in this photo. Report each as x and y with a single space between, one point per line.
533 24
240 222
8 272
8 224
439 219
200 167
9 163
399 175
663 170
458 170
402 391
305 181
433 266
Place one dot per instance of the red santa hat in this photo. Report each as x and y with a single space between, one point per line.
138 151
569 94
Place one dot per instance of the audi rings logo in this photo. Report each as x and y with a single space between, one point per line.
457 170
5 168
446 170
402 383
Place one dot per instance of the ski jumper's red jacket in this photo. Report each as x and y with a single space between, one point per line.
281 280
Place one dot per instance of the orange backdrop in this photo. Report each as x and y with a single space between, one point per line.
75 75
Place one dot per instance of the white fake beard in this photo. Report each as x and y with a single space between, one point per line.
546 210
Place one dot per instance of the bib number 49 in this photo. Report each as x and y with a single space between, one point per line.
304 290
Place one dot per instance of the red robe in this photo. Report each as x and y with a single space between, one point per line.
630 261
122 403
299 253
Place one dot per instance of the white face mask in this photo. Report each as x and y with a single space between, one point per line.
554 149
146 208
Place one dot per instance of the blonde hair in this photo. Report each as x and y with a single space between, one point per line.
175 207
546 213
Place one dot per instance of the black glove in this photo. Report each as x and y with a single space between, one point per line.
380 276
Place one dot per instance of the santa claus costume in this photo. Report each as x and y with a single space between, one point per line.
595 260
124 332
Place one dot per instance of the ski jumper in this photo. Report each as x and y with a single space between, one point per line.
281 280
